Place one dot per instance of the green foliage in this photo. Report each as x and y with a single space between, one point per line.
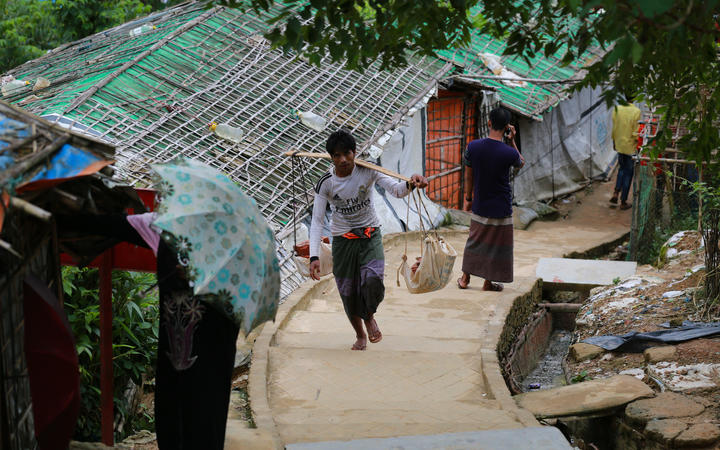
135 336
616 280
26 29
664 50
654 250
80 18
29 28
361 31
709 193
580 377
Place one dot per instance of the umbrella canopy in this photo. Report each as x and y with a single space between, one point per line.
220 234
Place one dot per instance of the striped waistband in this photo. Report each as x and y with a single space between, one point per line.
491 220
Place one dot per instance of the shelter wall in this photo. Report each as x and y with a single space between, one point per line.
33 240
572 145
452 122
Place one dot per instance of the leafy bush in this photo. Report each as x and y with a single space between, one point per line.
580 377
136 312
709 193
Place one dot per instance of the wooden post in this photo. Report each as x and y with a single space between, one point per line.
106 356
700 201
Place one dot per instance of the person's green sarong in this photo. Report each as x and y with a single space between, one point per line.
358 267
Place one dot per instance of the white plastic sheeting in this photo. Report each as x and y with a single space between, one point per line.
404 153
572 144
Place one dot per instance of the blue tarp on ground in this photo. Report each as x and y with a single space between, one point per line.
635 342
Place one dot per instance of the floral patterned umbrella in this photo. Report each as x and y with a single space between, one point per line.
220 234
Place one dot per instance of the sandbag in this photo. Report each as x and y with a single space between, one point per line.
302 262
434 269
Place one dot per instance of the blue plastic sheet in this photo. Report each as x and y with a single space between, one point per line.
69 161
13 128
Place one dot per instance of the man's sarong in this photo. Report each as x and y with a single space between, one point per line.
489 249
358 267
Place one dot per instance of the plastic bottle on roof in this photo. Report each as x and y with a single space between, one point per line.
11 87
41 83
137 31
226 131
312 120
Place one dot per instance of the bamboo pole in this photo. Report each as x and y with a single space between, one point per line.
359 162
33 159
20 144
30 209
667 160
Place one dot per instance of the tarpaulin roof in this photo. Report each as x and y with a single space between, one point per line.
530 99
153 94
35 154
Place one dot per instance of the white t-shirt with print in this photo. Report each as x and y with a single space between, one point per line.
350 201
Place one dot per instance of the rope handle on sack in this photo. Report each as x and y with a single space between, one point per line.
420 206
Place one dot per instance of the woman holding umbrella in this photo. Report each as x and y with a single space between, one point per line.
217 274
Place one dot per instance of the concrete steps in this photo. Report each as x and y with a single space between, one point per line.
390 342
441 328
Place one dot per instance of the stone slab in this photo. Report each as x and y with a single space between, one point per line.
699 434
584 398
657 354
537 438
666 405
665 430
582 351
584 272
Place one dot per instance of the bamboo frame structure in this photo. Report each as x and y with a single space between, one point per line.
153 96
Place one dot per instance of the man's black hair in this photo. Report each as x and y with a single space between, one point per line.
499 118
629 97
340 140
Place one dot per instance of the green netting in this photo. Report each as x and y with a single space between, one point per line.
662 206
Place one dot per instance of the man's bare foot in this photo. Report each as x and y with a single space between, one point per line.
490 286
373 331
463 281
360 344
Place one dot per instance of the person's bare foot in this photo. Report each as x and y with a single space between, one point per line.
463 281
490 286
374 334
360 344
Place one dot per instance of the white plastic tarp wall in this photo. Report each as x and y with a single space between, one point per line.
572 144
404 153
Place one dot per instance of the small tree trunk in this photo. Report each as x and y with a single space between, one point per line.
711 235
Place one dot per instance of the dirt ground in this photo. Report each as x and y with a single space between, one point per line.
668 294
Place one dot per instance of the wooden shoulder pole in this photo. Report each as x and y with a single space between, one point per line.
359 162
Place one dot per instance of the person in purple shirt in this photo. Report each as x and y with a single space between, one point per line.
489 248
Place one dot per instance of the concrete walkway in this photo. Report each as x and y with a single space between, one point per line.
436 369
